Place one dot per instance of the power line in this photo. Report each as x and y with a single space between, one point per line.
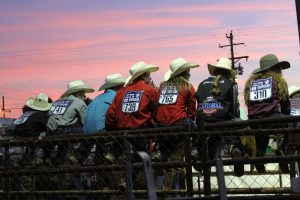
134 43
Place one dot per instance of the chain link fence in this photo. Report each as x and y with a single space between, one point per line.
110 165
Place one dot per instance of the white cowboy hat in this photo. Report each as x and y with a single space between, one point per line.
223 63
178 66
293 89
112 80
76 86
40 102
138 69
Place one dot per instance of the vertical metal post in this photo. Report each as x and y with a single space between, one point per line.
231 49
205 167
128 170
298 16
188 168
220 170
3 108
7 167
148 175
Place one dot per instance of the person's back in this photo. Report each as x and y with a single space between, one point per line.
67 116
33 123
95 119
221 106
177 99
217 98
95 114
134 105
66 113
272 99
266 95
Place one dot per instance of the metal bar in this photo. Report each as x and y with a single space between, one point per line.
220 170
148 175
206 168
128 171
188 168
7 167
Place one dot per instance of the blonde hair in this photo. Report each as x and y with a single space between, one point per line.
215 91
177 82
281 84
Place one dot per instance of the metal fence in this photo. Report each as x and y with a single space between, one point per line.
76 167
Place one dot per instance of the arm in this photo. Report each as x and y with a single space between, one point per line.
191 103
110 117
236 103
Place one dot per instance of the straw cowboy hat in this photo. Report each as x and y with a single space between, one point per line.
138 69
271 61
178 66
40 102
293 89
112 80
76 86
223 63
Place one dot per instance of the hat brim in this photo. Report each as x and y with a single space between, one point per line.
282 64
30 104
79 88
148 68
212 68
169 74
111 84
293 90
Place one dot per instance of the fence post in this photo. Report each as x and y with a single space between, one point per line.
205 167
128 170
188 168
6 168
148 175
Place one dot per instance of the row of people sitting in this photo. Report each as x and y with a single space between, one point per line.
135 103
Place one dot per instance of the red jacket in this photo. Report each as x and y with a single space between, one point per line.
133 107
175 106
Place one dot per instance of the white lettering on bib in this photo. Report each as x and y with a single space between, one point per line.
131 101
261 89
168 95
23 118
295 107
60 106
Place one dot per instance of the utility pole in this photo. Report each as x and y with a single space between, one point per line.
3 108
233 58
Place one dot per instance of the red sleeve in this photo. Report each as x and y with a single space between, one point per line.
191 103
154 103
110 117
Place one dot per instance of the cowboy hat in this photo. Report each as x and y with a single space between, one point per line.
138 69
293 89
270 61
40 102
178 66
76 86
222 63
112 80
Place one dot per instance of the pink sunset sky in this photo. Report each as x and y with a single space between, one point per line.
46 44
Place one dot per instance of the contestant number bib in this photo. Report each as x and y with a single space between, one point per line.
295 107
261 89
23 118
168 95
131 101
60 106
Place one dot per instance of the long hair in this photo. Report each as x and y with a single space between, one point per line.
177 82
281 84
220 73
